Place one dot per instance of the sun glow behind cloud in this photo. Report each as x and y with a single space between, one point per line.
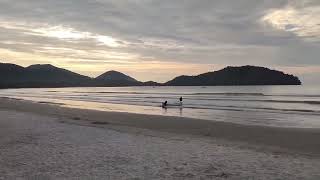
60 32
67 33
107 40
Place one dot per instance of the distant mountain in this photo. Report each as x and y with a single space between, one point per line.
244 75
11 73
49 74
115 78
151 83
14 76
46 75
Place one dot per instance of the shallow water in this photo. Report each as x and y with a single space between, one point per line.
281 106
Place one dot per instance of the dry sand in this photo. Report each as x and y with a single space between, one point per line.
40 141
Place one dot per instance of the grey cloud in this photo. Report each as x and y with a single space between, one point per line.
185 31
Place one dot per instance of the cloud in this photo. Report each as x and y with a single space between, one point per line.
59 32
303 22
129 33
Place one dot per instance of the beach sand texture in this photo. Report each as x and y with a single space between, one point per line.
40 141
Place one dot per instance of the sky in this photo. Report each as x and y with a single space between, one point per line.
160 39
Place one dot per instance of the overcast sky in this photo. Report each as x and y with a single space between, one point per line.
159 39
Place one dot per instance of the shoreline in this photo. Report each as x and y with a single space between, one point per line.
296 140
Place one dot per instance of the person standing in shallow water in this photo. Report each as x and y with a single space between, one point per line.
164 104
180 99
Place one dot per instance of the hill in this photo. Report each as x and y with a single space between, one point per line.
14 76
244 75
115 78
49 74
46 75
151 83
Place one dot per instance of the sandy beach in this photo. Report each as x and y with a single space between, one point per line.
47 141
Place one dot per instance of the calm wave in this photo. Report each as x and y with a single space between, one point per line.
283 106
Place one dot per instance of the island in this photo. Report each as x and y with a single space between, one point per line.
231 76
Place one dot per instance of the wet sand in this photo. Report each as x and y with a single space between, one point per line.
43 141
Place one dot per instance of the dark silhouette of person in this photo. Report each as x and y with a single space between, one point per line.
180 101
164 104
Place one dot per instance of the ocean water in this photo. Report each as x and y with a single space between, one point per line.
280 106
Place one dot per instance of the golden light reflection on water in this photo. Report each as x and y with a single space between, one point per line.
114 107
150 110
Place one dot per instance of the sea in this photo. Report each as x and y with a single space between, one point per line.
277 106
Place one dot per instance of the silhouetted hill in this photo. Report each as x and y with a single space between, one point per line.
151 83
46 75
244 75
13 76
11 73
115 78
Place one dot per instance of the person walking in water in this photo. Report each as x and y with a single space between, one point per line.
180 99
